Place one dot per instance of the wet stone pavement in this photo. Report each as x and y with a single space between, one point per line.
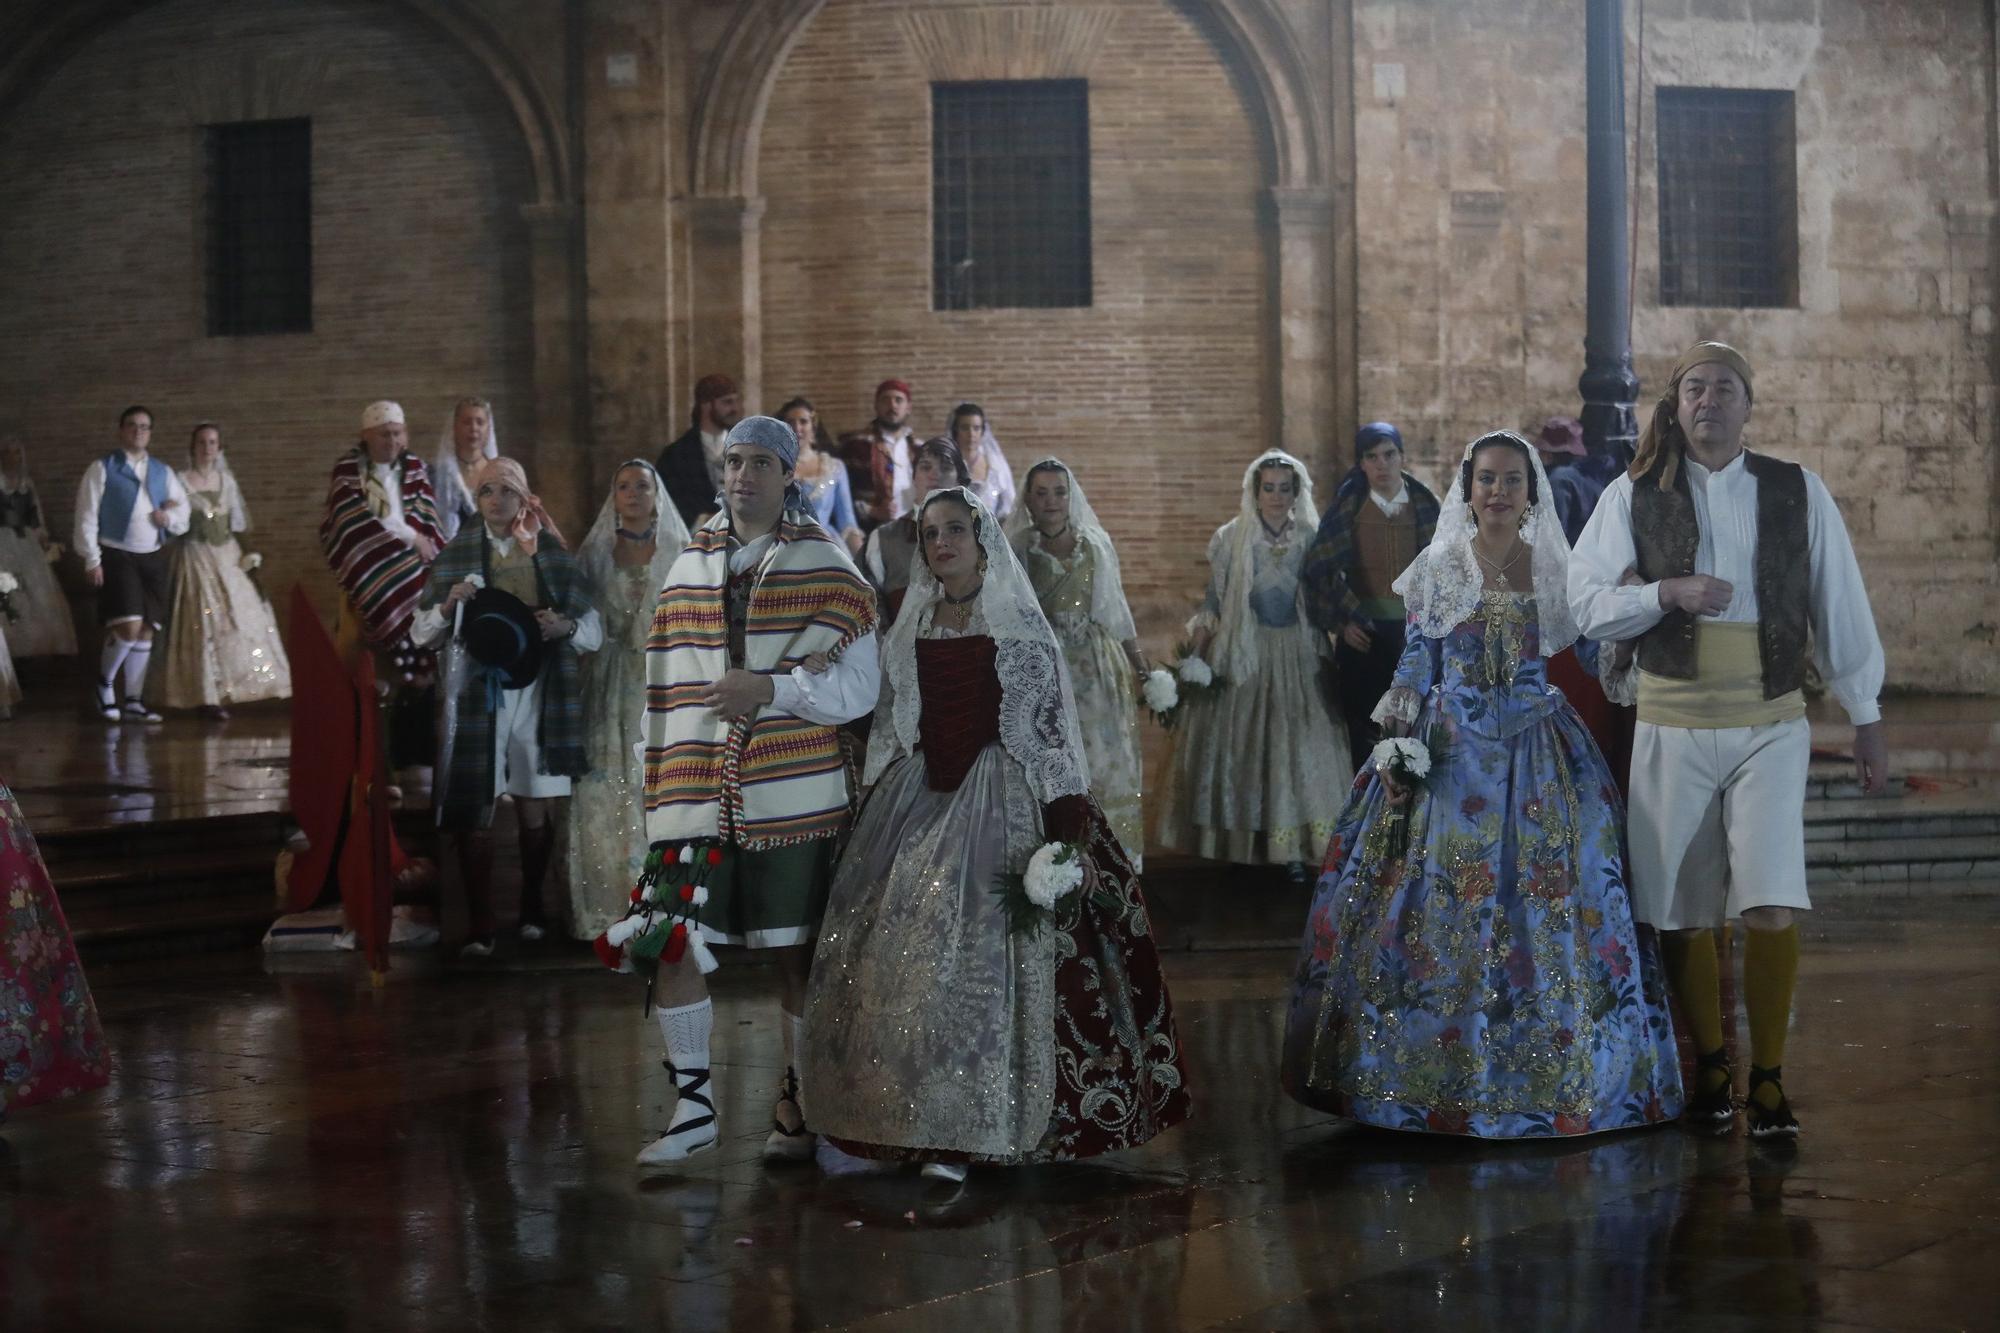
453 1150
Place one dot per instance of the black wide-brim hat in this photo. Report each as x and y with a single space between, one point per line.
501 633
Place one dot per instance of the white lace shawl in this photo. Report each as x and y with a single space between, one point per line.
1441 587
1107 593
670 534
448 480
1234 652
1038 726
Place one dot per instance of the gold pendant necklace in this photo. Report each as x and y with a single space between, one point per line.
1499 570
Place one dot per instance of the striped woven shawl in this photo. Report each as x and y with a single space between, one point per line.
765 781
381 576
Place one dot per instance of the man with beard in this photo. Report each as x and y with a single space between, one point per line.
691 467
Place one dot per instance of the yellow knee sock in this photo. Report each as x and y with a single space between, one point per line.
1691 970
1770 971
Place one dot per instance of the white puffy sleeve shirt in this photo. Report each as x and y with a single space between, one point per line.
1846 648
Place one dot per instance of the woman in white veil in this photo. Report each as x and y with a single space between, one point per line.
1069 558
1470 964
1260 765
937 1029
466 442
992 479
624 559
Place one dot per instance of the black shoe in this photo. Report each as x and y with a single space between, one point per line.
1714 1111
1769 1122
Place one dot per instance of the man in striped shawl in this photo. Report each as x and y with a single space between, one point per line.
380 534
763 643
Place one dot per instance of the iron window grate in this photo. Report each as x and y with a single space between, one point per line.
1728 198
1010 191
259 229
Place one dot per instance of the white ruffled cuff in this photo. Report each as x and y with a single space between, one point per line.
1401 704
1203 620
1620 684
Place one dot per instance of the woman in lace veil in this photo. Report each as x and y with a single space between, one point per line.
938 1031
1260 765
1069 558
222 645
1470 964
624 559
42 626
992 479
466 442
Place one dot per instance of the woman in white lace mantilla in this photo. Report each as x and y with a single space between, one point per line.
1003 1044
468 440
1069 558
222 640
624 559
1260 766
1470 963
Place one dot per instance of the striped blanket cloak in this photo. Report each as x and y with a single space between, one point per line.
765 781
381 577
468 787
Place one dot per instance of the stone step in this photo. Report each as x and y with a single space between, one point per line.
201 923
138 841
1869 860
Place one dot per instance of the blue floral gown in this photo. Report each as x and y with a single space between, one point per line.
1471 965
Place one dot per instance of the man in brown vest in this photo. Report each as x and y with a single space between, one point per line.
1727 567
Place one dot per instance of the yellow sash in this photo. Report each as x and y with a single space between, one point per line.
1727 689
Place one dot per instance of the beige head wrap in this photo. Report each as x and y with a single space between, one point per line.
533 520
1662 441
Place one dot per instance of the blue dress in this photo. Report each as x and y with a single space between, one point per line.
1471 966
831 501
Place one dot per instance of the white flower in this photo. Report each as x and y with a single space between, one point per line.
1161 692
1402 752
1196 672
1055 870
251 561
8 583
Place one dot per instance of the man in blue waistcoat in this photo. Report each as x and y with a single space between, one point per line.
126 508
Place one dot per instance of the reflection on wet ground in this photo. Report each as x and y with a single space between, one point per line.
453 1150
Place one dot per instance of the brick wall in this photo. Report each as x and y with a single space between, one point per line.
1152 393
420 265
1472 252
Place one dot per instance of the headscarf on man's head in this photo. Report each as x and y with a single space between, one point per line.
1663 442
1365 439
900 386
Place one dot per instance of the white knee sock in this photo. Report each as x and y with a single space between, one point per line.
136 663
112 658
686 1031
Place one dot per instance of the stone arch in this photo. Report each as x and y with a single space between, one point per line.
736 88
64 28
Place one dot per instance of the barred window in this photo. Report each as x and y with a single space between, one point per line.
1729 210
1010 191
259 232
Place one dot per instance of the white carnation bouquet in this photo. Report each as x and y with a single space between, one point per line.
1404 759
1191 678
1053 882
1411 764
9 585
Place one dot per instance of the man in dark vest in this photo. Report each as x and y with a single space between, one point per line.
691 467
1727 567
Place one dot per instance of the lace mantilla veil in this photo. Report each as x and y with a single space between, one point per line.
449 484
1038 725
1442 586
1235 651
670 534
1107 594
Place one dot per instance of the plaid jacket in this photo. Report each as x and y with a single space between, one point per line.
1327 573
